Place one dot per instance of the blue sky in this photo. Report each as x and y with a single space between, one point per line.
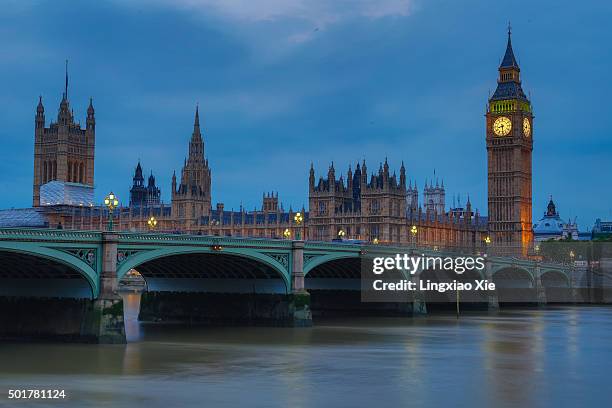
282 83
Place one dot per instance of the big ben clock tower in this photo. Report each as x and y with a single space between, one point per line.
509 146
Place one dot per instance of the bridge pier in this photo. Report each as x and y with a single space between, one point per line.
419 306
300 298
540 289
492 297
104 322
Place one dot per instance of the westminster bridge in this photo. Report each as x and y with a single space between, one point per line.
265 281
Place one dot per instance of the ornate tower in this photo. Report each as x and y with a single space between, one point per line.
63 151
191 199
141 195
509 124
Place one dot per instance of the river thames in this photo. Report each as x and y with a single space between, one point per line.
516 358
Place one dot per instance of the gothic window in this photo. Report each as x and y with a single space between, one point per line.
374 232
321 207
69 171
375 207
320 233
81 173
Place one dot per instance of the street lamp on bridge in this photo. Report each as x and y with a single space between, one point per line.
414 231
152 223
487 242
341 234
111 202
287 233
298 218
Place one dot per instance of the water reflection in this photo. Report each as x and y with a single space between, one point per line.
131 303
515 358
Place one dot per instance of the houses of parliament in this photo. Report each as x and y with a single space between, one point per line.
382 206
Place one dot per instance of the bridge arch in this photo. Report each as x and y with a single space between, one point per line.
236 264
47 263
556 286
555 278
515 285
319 261
333 272
512 272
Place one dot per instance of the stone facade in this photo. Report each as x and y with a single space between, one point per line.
361 208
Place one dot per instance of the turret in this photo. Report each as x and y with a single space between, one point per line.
364 172
468 209
91 120
311 177
357 189
386 170
551 209
331 176
349 178
138 179
403 175
40 114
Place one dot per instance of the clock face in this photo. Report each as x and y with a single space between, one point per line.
502 126
526 127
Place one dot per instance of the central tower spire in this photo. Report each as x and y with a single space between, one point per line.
196 122
196 145
191 199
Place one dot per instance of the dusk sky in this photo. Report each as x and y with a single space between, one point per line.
281 83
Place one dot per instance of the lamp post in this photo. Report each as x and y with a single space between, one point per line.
414 231
152 223
375 241
487 242
111 202
287 233
298 218
341 234
572 272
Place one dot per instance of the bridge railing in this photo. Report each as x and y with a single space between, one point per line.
150 237
56 235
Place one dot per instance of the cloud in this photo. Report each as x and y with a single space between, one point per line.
315 11
273 29
251 104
